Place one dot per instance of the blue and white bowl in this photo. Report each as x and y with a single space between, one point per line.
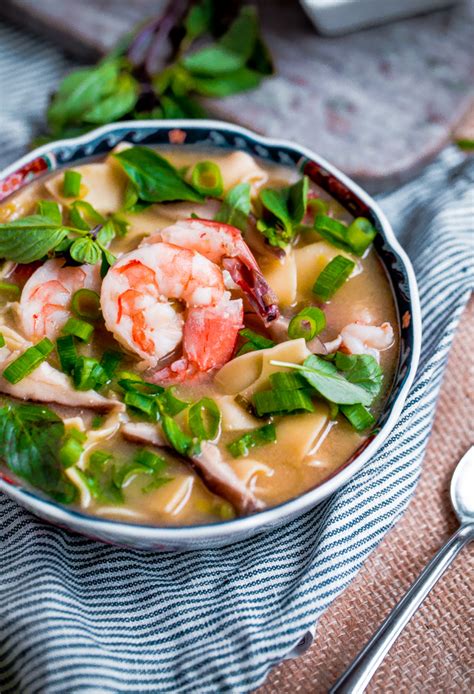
208 133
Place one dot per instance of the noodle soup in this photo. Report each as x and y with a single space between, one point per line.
187 335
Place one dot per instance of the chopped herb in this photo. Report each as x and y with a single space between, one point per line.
72 448
284 209
85 303
204 418
258 437
2 340
282 402
27 362
235 208
72 183
332 277
67 353
97 421
359 416
206 178
79 328
178 440
30 438
255 341
88 374
307 323
155 179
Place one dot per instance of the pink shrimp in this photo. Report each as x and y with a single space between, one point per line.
224 245
46 297
362 338
139 296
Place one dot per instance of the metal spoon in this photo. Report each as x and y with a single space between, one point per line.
357 676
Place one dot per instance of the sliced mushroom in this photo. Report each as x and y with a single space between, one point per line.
47 384
219 477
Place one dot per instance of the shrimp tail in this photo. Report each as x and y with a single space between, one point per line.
255 287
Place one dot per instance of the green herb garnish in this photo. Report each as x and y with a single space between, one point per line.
258 437
284 210
332 277
307 323
235 208
30 438
27 362
204 419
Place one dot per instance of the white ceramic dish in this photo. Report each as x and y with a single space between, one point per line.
209 133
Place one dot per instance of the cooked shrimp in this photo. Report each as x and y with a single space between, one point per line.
361 338
46 296
139 303
224 245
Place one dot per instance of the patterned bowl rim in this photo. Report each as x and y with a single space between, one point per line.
287 510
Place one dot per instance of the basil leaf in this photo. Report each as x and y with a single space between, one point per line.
79 92
85 250
275 202
198 20
31 238
51 210
155 179
30 438
362 369
298 199
117 104
232 50
326 379
235 208
224 85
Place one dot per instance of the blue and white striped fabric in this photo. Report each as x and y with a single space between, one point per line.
78 616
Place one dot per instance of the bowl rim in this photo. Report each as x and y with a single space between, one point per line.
286 510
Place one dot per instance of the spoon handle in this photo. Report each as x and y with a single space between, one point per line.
357 676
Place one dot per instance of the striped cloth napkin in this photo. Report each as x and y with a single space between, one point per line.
78 616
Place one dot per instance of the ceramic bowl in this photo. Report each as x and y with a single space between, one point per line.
207 133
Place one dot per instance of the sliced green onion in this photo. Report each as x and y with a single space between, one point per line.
130 381
287 381
255 341
281 401
180 441
50 209
27 362
142 402
79 328
204 419
168 403
123 475
2 340
109 362
206 177
258 437
86 304
333 277
72 184
360 234
150 459
72 448
88 374
330 228
67 353
13 290
358 415
307 323
98 458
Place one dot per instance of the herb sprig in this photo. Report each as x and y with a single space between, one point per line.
203 48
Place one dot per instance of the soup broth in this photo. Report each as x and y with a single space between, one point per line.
177 286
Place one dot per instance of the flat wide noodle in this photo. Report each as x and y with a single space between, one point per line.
234 417
310 261
282 278
104 186
298 434
250 372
